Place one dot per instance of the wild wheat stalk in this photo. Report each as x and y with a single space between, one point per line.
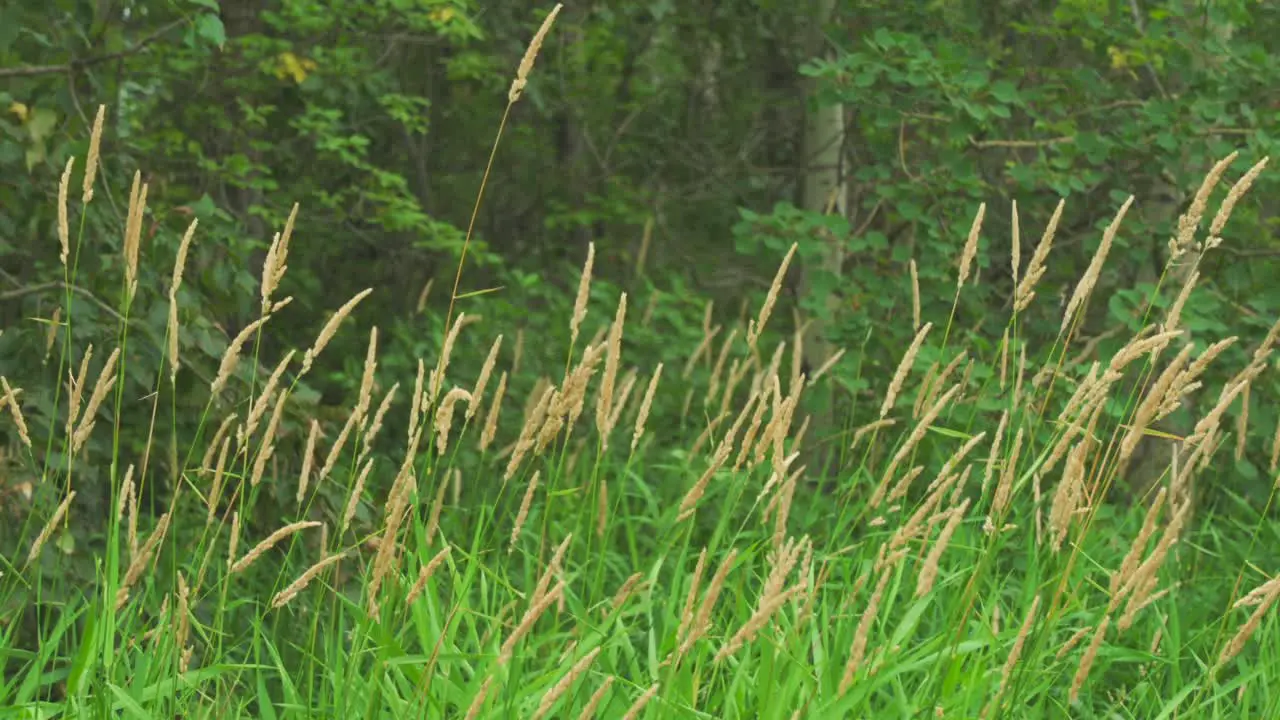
15 412
702 619
491 418
904 367
970 246
531 54
49 527
589 710
756 328
524 511
613 356
425 574
141 559
243 563
179 265
1012 661
477 703
637 707
444 416
308 460
106 381
526 623
1086 661
477 392
929 571
584 294
64 230
331 328
624 592
1025 291
433 517
560 688
375 426
647 403
283 597
915 295
231 358
91 162
133 233
859 648
1085 286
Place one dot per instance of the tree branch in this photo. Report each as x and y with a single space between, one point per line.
984 144
34 70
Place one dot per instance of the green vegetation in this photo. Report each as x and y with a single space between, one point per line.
889 467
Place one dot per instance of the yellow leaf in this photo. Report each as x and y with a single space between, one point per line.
442 15
20 110
1119 59
292 65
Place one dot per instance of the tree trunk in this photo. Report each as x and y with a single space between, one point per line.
823 191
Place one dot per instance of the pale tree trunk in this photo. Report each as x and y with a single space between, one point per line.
823 191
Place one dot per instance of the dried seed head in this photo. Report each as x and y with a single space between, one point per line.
1189 222
523 513
859 648
756 328
106 381
446 352
915 295
378 416
95 148
904 367
531 54
283 597
1025 291
330 328
613 356
1086 661
584 293
637 707
231 358
477 703
1083 289
589 710
366 378
536 609
647 403
353 500
10 400
243 563
491 417
425 574
561 687
1265 601
1233 196
929 571
477 392
970 246
133 232
49 527
444 416
64 229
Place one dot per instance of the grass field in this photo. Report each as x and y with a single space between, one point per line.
980 550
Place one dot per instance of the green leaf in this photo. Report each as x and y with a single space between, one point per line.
1004 91
210 28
